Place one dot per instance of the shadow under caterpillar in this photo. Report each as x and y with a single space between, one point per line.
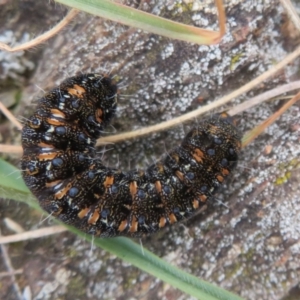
60 168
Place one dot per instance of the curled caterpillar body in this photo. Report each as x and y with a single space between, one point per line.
60 168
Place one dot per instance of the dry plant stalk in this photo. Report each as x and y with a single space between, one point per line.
45 36
10 116
291 11
197 112
33 234
255 132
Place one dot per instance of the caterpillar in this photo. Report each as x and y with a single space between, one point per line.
61 169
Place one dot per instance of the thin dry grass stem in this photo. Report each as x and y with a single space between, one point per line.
291 11
196 113
15 272
34 234
222 18
45 36
10 149
10 116
11 271
254 133
265 97
13 225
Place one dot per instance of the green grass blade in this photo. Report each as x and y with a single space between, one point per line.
132 17
150 263
10 177
13 187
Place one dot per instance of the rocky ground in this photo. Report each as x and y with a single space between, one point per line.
248 240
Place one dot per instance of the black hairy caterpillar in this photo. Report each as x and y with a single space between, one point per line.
60 168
